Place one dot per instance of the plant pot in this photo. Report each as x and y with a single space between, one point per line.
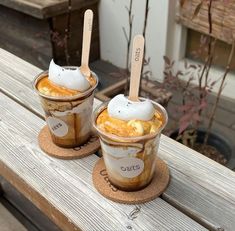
148 90
223 145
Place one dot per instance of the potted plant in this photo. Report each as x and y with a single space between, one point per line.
194 98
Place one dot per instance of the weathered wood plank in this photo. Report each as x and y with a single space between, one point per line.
200 186
193 175
46 8
20 86
64 189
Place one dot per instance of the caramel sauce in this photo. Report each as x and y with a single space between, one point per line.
128 128
47 87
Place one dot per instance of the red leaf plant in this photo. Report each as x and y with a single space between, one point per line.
194 97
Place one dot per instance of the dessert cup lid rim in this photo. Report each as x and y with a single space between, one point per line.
62 98
102 106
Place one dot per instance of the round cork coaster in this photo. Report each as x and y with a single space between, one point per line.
47 145
153 190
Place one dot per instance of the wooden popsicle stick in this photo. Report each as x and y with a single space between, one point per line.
86 42
136 65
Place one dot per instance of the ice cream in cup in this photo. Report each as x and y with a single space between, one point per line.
67 94
129 135
67 99
129 129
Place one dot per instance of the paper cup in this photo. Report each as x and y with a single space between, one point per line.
68 118
130 161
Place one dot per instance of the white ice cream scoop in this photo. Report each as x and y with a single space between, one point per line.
71 78
132 108
120 107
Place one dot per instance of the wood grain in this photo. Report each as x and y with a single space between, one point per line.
63 189
222 18
199 187
136 67
86 42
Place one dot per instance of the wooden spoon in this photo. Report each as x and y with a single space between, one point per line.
86 42
136 65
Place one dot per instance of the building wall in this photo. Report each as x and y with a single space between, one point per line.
164 36
114 17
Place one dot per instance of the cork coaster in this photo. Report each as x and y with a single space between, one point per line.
153 190
46 144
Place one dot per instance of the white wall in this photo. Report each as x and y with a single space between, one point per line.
113 16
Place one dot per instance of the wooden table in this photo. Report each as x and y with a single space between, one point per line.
200 196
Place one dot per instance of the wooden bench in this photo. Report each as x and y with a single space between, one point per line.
35 30
200 196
